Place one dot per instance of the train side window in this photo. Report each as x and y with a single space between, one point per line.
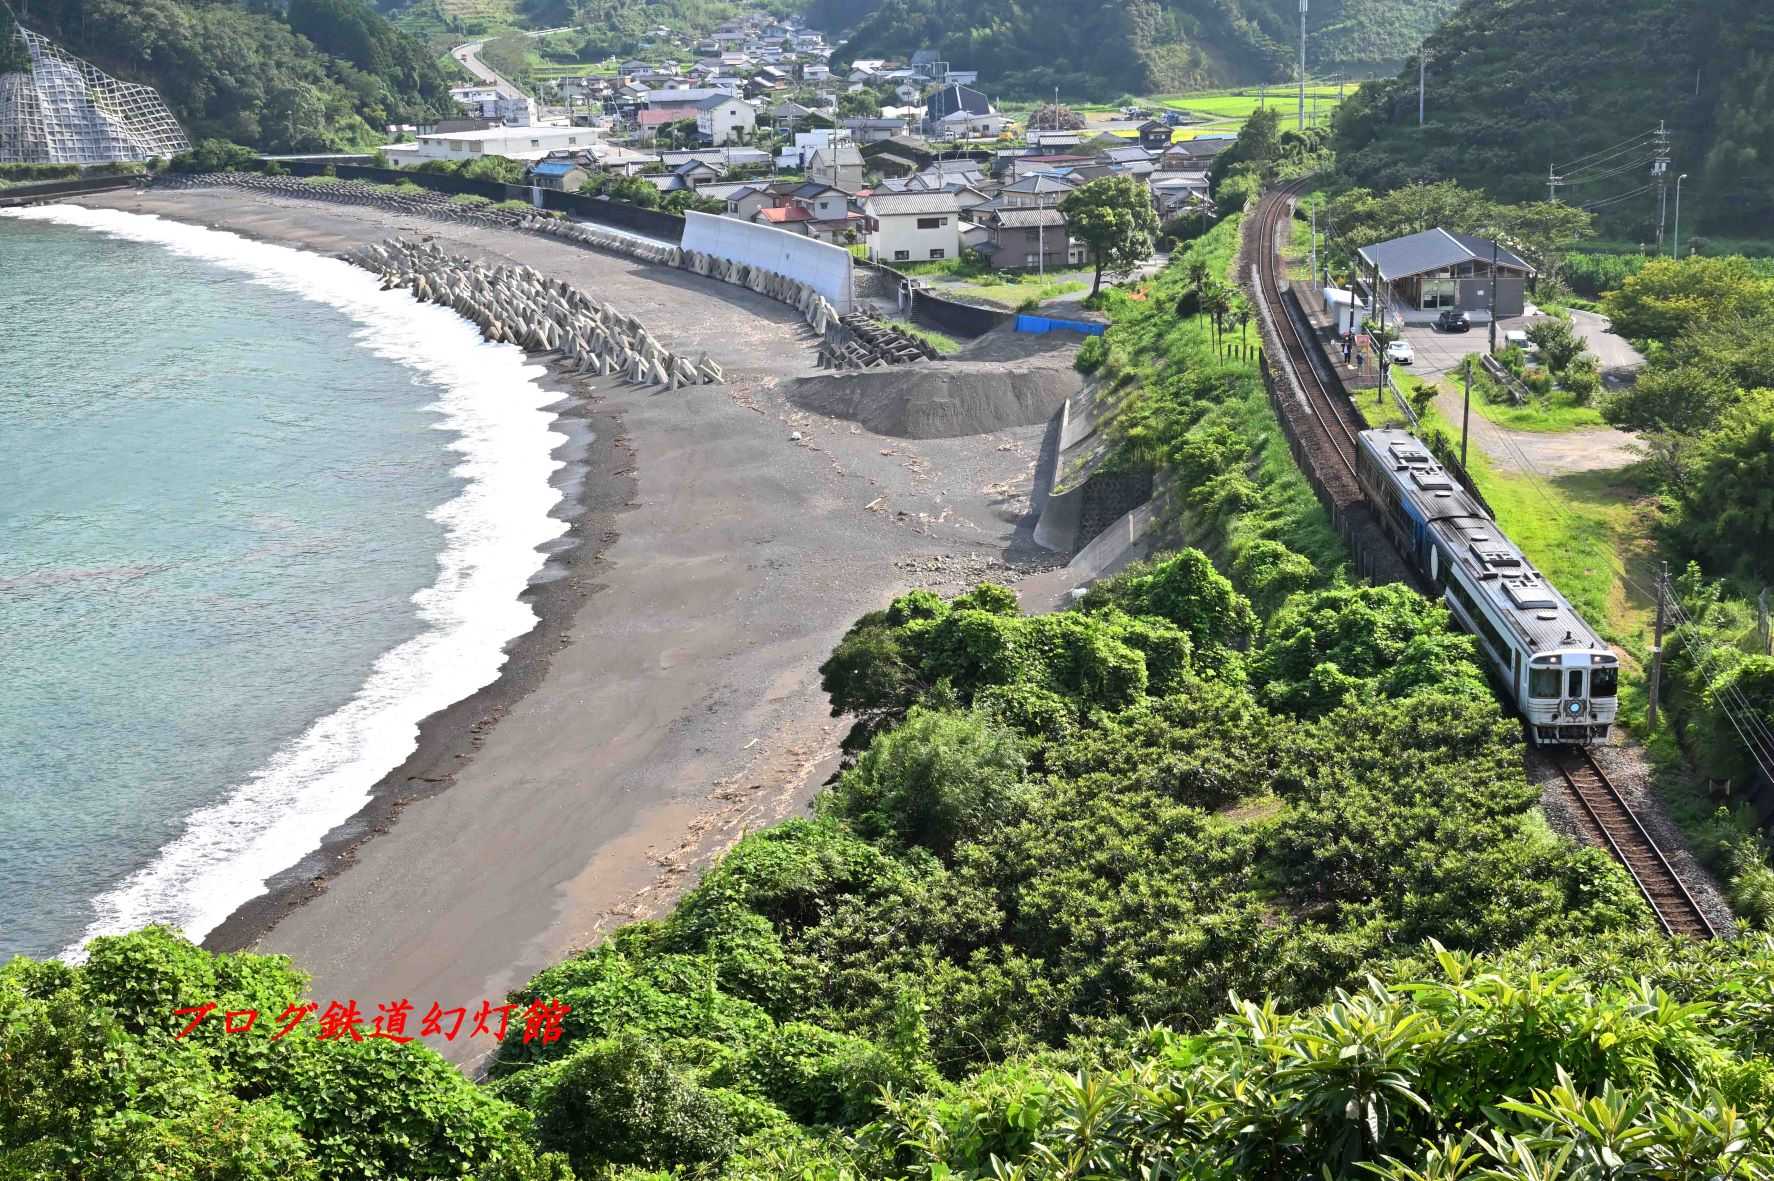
1576 686
1543 683
1604 682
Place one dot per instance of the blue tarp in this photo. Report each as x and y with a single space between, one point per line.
1040 325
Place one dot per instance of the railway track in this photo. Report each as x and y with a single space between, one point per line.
1335 415
1610 822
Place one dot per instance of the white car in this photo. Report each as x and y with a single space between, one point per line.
1399 353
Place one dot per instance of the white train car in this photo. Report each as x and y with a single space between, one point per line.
1559 674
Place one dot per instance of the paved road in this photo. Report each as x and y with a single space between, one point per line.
468 54
1616 354
1549 454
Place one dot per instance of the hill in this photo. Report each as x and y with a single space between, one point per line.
306 75
1104 48
1516 86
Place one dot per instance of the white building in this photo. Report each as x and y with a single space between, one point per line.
913 227
485 102
721 118
514 143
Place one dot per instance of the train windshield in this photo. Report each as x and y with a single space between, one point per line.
1604 681
1543 683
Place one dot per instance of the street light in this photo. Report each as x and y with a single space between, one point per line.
1678 214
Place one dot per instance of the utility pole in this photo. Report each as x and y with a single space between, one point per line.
1676 246
1657 644
1303 64
1493 295
1466 414
1314 208
1422 81
1762 623
1551 184
1660 174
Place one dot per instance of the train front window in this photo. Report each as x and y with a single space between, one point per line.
1604 682
1543 683
1576 685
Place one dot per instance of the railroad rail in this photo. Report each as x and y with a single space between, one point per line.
1610 822
1332 410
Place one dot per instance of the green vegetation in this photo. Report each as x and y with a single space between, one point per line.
941 342
312 75
1516 86
1102 51
1113 215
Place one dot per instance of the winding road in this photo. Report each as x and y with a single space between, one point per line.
468 53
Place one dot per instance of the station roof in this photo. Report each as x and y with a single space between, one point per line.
1434 250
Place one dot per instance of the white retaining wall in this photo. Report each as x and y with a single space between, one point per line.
825 268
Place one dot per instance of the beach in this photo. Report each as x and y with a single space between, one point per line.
669 699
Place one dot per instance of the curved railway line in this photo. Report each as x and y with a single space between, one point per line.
1335 415
1328 433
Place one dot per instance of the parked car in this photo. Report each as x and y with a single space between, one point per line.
1453 320
1515 338
1399 353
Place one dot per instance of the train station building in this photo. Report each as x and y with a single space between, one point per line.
1438 269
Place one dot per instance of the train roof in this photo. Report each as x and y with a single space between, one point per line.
1498 571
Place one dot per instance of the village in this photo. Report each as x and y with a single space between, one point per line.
907 164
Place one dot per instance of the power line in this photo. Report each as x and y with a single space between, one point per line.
1582 160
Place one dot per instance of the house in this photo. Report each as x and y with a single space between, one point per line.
1055 142
814 72
967 125
723 119
697 173
789 116
616 159
513 143
839 165
1029 165
1197 152
913 227
961 77
869 131
950 99
1154 135
563 175
1436 269
1030 239
1036 191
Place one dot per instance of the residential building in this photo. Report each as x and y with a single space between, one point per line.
789 116
1198 152
564 175
837 164
913 227
1155 135
967 125
870 131
513 143
950 99
723 119
1030 239
1036 191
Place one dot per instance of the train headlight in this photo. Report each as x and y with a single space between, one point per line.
1575 708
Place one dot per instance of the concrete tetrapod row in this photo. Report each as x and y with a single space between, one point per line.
518 305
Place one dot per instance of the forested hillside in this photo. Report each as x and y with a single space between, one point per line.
306 75
1104 48
1518 86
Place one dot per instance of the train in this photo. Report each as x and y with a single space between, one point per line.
1560 676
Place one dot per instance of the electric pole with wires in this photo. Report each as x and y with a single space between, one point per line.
1660 173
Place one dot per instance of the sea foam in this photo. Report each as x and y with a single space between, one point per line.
490 401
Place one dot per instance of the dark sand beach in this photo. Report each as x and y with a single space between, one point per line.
669 701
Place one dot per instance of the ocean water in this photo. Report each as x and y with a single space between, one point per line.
257 520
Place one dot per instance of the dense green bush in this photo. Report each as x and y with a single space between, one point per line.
95 1082
213 155
1091 355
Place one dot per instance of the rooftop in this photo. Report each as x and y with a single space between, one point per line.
908 204
1433 250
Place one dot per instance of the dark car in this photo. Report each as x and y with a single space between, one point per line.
1453 320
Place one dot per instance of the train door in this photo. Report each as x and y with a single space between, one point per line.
1575 685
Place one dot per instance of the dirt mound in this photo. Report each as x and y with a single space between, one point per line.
1002 380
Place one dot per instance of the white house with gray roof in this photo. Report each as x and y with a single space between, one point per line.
913 227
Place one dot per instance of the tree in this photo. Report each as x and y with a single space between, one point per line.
1686 399
1726 510
1113 215
1669 296
1559 343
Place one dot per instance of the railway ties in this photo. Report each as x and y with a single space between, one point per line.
1610 823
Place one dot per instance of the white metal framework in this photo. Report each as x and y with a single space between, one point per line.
67 111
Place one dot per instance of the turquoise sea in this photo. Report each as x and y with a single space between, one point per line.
257 520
